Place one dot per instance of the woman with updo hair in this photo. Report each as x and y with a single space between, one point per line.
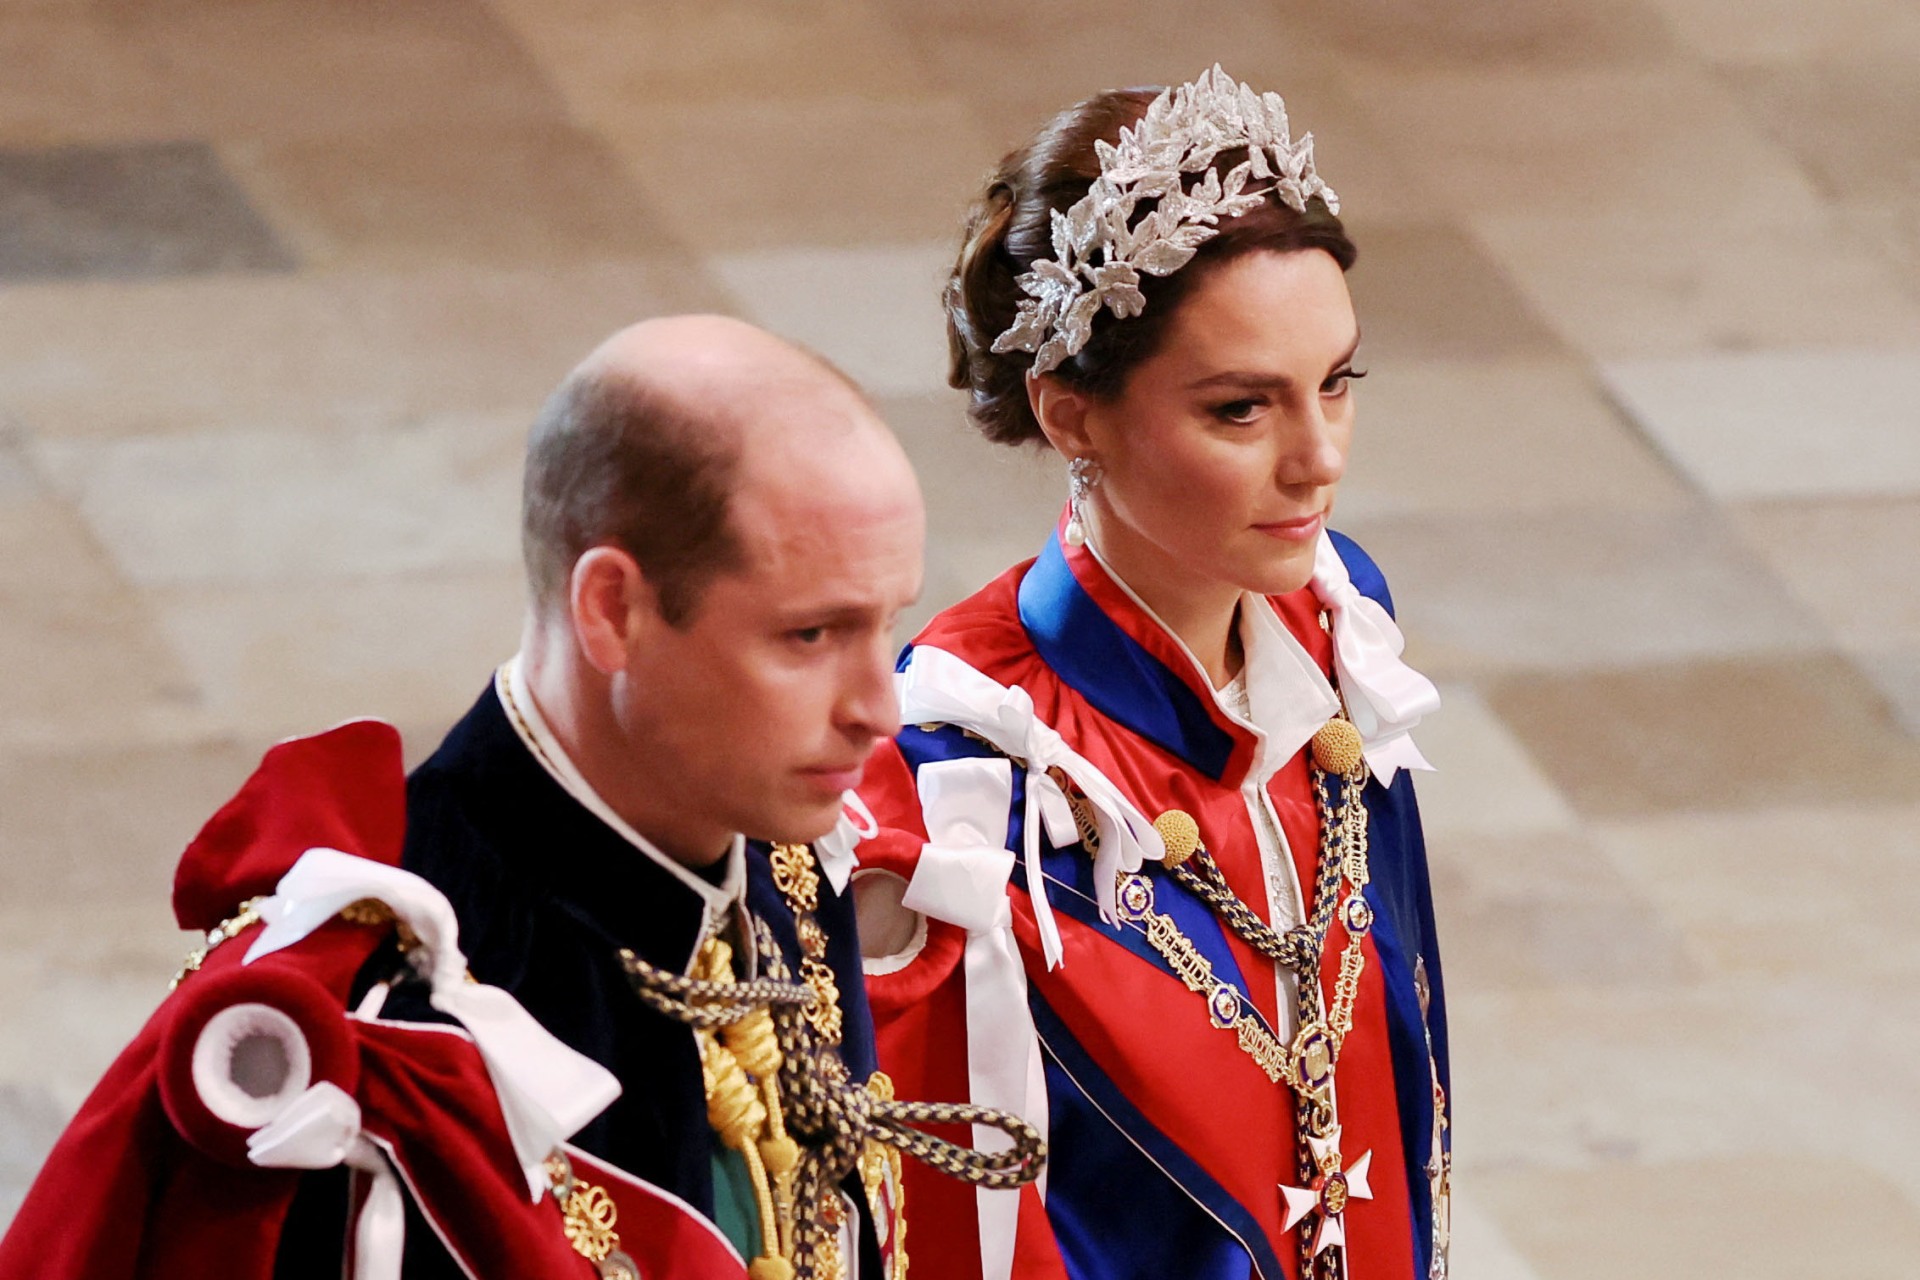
1149 869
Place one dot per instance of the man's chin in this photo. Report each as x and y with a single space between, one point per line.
798 826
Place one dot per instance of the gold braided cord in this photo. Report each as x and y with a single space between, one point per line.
703 1002
803 1105
755 1044
1298 948
1307 1066
738 1114
739 1111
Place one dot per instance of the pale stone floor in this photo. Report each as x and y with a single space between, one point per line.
282 283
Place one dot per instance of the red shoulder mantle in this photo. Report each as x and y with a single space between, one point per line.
152 1179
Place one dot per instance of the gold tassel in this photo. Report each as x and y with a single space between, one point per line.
736 1113
756 1044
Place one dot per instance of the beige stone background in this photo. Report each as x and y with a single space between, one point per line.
283 281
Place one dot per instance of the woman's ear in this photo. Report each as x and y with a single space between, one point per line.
1061 411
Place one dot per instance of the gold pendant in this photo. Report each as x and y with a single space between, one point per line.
1312 1059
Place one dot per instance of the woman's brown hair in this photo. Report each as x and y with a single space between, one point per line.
1010 226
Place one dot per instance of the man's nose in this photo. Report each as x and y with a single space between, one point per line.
871 702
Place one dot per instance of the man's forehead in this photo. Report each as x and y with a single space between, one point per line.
810 572
834 503
778 522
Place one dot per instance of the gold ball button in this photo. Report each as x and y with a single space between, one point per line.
780 1155
1337 747
1180 833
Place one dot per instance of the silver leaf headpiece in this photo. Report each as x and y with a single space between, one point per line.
1182 133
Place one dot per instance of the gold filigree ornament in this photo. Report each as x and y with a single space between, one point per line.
794 876
824 1012
881 1178
589 1217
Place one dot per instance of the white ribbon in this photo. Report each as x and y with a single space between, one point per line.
938 687
836 848
314 1131
962 878
547 1091
1386 698
321 1129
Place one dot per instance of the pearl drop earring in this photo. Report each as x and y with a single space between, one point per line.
1082 475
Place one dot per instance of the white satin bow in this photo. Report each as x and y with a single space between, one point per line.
319 1130
547 1091
1385 697
938 687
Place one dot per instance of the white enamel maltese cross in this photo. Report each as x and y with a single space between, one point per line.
1329 1194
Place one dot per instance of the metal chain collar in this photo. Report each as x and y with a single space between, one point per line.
834 1120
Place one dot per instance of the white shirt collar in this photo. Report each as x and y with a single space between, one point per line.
510 683
1288 696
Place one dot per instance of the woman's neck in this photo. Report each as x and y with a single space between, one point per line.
1203 613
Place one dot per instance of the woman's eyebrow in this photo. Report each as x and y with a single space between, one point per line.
1266 379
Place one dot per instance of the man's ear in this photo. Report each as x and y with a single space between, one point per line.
611 603
1062 413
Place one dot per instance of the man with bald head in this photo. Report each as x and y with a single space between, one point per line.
719 534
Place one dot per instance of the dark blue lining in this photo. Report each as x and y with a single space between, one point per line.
1401 933
1101 1197
1110 669
1364 573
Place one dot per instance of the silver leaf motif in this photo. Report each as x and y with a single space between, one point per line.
1164 257
1063 244
1030 326
1183 132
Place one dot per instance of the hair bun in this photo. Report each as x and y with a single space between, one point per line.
980 300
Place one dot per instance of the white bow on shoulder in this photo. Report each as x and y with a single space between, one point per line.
1385 697
938 687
